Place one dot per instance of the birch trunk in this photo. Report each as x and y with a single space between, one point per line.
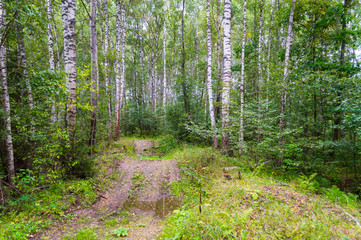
94 73
164 70
260 79
155 77
209 75
6 100
68 15
219 58
241 130
118 67
25 76
286 70
51 52
122 81
269 50
184 85
106 67
226 77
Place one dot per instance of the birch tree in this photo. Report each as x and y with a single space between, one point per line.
184 85
68 15
106 67
164 69
241 130
118 67
94 72
260 79
51 52
25 77
286 70
226 77
209 75
6 99
122 81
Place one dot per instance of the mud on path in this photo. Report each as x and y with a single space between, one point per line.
138 200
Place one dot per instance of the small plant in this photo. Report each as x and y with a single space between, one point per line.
138 180
86 234
336 195
309 183
121 232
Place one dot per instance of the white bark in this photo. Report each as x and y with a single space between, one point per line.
122 77
260 79
51 52
260 42
227 54
23 65
50 37
94 72
118 66
209 76
164 68
106 66
289 41
6 100
241 130
269 49
68 15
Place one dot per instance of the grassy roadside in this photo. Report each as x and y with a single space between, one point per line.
37 210
255 207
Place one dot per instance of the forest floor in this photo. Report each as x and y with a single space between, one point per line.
177 190
138 200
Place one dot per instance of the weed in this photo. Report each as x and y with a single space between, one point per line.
121 232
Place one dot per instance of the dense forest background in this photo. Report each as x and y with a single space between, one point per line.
273 82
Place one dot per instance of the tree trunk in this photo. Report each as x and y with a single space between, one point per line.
184 85
164 70
286 70
336 131
68 15
269 50
106 67
209 75
25 76
122 82
51 53
219 59
6 100
94 73
226 77
118 68
241 135
260 79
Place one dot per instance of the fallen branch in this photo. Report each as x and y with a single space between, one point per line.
354 218
281 183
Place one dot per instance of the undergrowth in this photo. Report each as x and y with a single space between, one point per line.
217 205
37 209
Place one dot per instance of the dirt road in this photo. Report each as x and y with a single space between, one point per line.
139 199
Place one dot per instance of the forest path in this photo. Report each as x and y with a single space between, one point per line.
135 205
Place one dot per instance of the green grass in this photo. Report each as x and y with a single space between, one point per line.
255 207
37 210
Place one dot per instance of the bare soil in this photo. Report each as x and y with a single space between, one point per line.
141 193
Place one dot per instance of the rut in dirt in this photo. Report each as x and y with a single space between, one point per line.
143 191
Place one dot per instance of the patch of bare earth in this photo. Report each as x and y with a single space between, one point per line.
142 192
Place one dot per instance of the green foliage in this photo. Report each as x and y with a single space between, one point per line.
167 144
292 156
309 183
85 234
338 196
121 232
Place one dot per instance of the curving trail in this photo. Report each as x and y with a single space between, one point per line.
138 200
